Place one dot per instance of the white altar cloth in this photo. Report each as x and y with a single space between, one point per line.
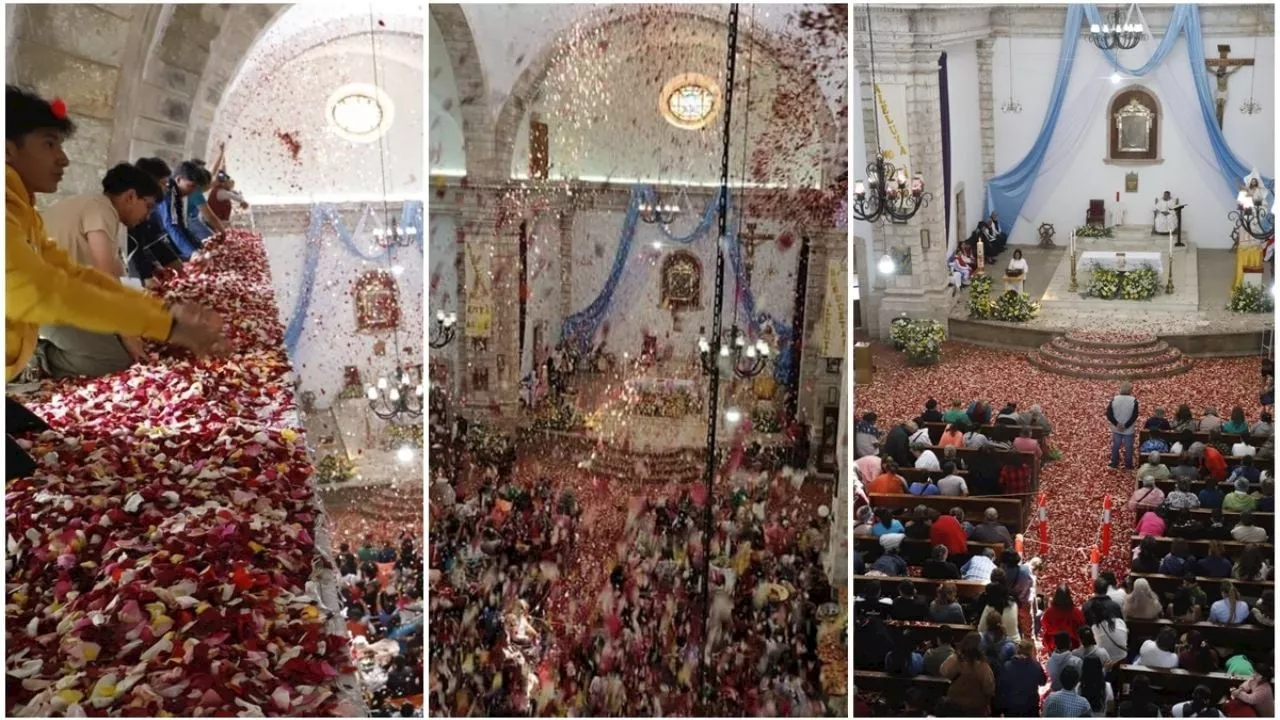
1110 259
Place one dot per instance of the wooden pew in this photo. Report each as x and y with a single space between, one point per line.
1168 486
912 474
1001 433
1247 636
1173 436
1014 513
1264 520
1200 548
1176 684
924 588
896 687
1167 584
915 552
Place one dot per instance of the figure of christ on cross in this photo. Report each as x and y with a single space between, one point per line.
1223 69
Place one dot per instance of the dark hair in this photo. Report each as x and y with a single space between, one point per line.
1201 700
900 656
948 467
1264 416
1086 636
1237 415
1099 586
125 177
1167 638
25 113
1092 683
931 404
938 553
884 516
1069 677
154 166
906 589
1062 598
1179 548
1250 563
1062 640
189 170
1182 414
869 417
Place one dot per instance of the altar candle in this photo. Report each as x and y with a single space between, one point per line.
1170 243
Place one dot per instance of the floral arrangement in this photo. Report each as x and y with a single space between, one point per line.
1246 298
351 392
766 421
980 305
667 404
1103 282
556 414
1140 284
487 446
336 468
1093 231
161 556
920 339
1014 306
397 436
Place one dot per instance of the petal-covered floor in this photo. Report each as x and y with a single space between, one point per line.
162 559
1075 485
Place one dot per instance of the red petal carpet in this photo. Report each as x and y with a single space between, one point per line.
1076 408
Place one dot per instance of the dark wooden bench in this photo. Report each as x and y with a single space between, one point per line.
1200 548
1173 436
1261 519
915 552
1168 486
924 587
1001 433
1247 636
1176 683
1167 584
894 686
1014 513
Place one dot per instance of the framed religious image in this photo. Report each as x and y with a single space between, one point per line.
351 376
1133 127
1131 182
833 365
681 281
833 395
377 301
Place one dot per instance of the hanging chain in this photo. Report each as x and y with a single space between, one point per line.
713 392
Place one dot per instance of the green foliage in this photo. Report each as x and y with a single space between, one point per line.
920 339
1092 231
1246 298
1140 284
980 305
556 414
1103 282
766 421
1014 306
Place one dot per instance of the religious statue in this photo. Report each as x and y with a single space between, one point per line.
1223 69
1166 220
1254 188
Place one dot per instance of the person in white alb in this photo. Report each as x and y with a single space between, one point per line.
1017 270
1166 218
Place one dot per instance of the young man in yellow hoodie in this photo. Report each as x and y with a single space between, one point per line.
43 286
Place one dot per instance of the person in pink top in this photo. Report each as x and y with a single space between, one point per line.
869 468
1147 497
1256 692
1152 523
1024 442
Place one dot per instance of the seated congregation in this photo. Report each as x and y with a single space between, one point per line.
948 620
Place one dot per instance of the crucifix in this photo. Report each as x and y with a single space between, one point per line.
1223 68
750 240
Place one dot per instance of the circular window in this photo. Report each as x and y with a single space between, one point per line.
689 101
360 113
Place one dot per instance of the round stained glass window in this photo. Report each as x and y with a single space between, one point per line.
689 101
360 113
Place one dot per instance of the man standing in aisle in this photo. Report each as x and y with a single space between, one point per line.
1122 413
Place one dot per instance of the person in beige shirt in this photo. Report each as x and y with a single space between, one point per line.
88 227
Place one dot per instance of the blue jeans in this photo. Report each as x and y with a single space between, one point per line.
1118 440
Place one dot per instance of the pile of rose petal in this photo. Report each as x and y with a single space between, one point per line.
1075 485
160 560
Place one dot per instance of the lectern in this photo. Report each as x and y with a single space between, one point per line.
1177 211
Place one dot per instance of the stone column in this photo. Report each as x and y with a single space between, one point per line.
837 560
987 108
484 230
566 265
900 60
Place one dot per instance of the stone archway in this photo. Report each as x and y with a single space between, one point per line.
468 76
530 81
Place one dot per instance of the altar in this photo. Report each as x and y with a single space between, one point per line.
663 397
1121 260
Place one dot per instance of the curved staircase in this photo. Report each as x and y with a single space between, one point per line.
1110 356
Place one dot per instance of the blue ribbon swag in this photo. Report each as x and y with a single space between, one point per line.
581 328
323 215
1007 192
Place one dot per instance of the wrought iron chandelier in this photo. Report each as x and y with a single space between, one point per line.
1011 105
658 212
749 359
395 236
1116 35
1250 106
887 190
446 330
398 395
1253 217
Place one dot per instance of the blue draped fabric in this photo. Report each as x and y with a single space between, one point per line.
580 328
1007 192
324 215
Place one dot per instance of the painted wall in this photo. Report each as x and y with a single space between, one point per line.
442 278
966 134
1251 137
446 153
329 340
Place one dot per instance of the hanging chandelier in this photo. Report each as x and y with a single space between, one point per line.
660 213
1250 106
398 396
1117 35
445 331
748 358
1253 217
1011 105
887 190
394 236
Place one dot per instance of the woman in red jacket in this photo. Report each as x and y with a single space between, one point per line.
1061 616
947 531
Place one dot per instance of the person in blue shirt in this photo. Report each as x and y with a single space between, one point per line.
1246 469
1230 610
1267 498
1067 702
1157 421
1178 559
1019 681
885 523
890 563
924 487
1210 496
903 660
1217 564
171 210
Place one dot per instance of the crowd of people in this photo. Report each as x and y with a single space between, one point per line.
998 668
502 552
75 297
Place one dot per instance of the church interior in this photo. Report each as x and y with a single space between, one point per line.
239 532
636 314
1063 222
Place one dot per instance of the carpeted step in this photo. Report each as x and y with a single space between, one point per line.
1110 339
1065 344
1110 356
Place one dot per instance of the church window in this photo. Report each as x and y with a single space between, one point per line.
359 112
689 101
1133 126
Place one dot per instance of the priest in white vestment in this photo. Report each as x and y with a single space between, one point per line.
1166 218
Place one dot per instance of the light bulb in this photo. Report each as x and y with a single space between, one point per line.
397 269
733 416
751 352
1243 199
1115 78
439 316
886 265
382 383
1094 29
372 393
394 395
763 347
724 351
419 391
405 454
859 188
703 345
452 319
657 245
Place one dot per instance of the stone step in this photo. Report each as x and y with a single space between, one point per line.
1067 345
1109 360
1110 339
1181 365
1110 356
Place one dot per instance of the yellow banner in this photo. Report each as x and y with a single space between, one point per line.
834 310
479 273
